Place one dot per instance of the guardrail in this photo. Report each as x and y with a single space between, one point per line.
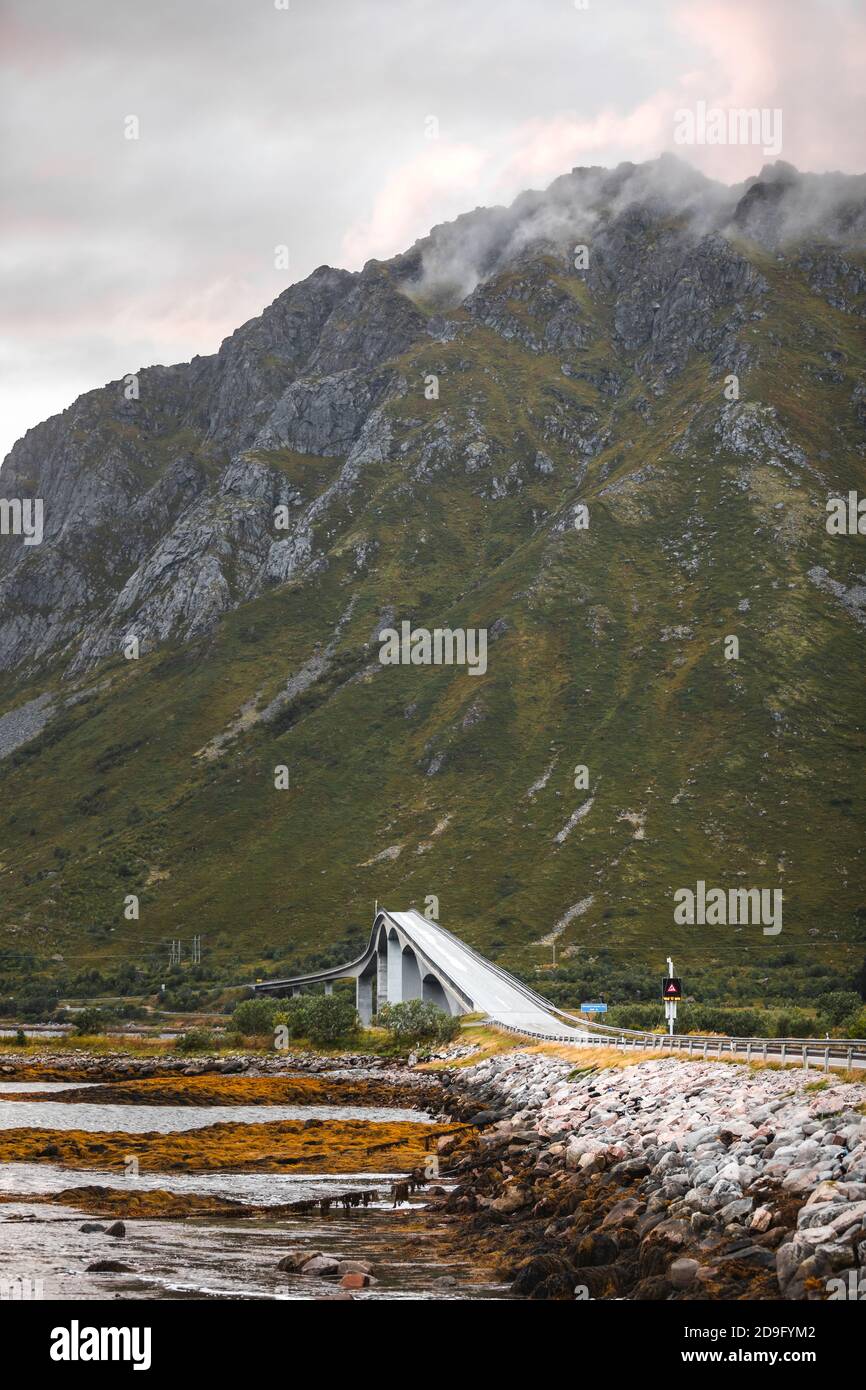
844 1051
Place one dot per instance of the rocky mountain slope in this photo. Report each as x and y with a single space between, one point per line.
423 441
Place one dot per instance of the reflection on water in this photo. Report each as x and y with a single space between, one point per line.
165 1119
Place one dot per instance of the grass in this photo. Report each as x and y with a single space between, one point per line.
493 1043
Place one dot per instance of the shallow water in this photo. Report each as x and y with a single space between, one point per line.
220 1258
225 1259
255 1189
168 1119
12 1086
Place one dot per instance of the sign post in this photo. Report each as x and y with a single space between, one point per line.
672 991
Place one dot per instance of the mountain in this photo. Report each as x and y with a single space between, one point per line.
422 441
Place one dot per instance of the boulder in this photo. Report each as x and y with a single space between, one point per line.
683 1273
512 1201
732 1211
839 1254
295 1260
321 1266
761 1219
354 1267
724 1190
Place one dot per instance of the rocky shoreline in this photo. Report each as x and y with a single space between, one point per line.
656 1180
666 1179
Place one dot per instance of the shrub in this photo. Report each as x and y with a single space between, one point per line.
417 1020
255 1017
292 1014
328 1018
854 1025
195 1040
35 1007
92 1021
703 1018
838 1005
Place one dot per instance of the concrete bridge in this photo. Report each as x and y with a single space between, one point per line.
409 957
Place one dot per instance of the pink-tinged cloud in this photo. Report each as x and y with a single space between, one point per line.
777 55
436 183
31 48
543 149
739 40
772 56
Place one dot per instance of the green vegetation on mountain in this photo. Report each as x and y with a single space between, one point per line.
606 651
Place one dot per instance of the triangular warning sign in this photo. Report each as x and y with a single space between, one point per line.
672 989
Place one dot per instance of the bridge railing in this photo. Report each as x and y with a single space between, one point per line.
608 1030
846 1051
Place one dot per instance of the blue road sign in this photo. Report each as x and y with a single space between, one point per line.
593 1008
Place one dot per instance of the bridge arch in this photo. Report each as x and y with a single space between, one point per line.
432 992
411 974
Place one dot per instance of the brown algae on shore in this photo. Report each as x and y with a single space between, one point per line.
214 1089
312 1146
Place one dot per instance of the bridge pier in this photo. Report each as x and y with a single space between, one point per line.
394 970
364 999
329 987
381 976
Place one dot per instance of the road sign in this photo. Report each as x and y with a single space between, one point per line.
593 1008
672 988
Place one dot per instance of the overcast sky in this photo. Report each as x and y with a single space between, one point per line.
310 126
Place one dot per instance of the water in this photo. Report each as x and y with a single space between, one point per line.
219 1257
36 1032
255 1189
12 1086
168 1119
234 1259
62 1030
